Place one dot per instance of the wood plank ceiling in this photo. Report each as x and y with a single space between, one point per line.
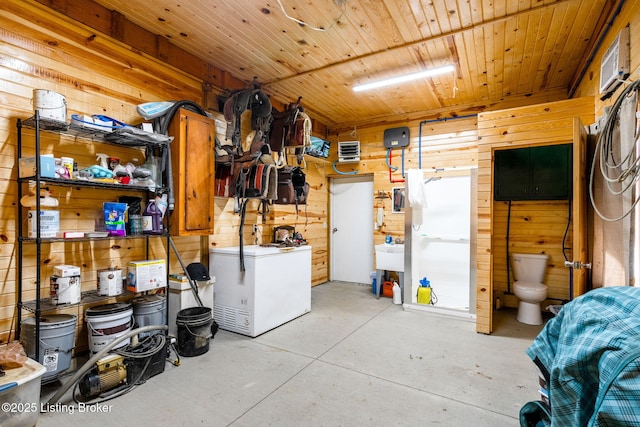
319 49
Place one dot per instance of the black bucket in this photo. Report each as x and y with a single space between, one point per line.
194 330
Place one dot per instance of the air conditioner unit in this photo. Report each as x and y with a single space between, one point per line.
348 151
615 62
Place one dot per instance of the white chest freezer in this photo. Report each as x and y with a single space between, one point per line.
274 288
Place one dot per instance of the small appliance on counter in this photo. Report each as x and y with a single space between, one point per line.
283 233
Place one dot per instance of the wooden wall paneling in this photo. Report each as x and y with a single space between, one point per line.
541 224
535 227
476 76
115 25
605 237
311 220
510 67
96 75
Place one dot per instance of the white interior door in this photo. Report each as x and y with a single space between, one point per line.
352 229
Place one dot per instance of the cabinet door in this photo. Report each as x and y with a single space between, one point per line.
533 173
193 174
551 172
511 174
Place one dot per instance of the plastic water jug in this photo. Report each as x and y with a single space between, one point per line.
397 293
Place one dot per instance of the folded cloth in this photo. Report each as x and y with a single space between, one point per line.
415 181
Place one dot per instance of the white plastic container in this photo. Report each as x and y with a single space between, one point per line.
397 293
110 282
21 387
65 290
51 105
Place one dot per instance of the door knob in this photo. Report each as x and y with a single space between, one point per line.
334 229
576 265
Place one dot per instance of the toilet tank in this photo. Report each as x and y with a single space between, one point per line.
529 267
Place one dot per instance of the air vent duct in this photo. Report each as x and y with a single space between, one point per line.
615 62
349 151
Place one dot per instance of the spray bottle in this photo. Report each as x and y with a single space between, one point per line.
103 158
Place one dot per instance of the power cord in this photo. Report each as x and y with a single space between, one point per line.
434 298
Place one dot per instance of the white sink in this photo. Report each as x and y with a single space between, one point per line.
390 257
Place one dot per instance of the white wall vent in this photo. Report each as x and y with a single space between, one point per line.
348 151
615 62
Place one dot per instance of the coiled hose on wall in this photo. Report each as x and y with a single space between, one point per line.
161 126
619 175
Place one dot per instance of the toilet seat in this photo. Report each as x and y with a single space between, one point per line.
530 286
530 291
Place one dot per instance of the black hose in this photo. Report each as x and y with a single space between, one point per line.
92 361
566 231
243 213
147 348
161 125
508 269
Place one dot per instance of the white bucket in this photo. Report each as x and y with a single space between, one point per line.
108 322
50 105
57 335
110 282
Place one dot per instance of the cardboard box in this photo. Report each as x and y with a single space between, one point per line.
27 167
49 223
146 275
66 270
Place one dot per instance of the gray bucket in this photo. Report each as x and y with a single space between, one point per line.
57 336
150 310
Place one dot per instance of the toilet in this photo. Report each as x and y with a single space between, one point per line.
529 270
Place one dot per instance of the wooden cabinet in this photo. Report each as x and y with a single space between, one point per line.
193 172
533 173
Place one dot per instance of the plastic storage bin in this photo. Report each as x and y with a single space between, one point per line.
20 388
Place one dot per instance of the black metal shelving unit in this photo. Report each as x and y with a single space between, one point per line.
39 305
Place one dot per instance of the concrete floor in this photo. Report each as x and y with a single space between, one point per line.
353 360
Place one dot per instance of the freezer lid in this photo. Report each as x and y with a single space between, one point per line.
257 250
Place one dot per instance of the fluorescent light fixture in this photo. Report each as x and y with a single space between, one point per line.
405 78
